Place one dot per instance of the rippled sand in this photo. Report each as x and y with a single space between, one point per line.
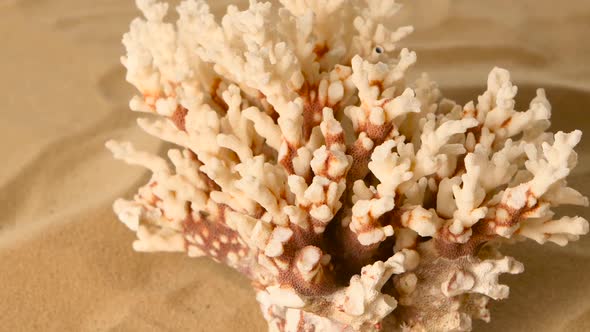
66 263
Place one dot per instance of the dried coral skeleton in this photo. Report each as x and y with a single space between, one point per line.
353 200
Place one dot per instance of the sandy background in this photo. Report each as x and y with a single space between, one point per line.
66 263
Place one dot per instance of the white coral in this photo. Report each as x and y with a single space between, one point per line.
310 164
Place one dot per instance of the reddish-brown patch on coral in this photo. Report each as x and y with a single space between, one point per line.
324 171
348 254
287 160
332 140
516 215
377 133
280 320
153 199
452 250
214 237
301 324
178 117
267 107
460 167
361 156
483 231
321 284
217 100
312 116
377 83
476 131
469 113
150 98
360 161
312 108
320 50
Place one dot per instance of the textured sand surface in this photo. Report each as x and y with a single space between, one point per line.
66 263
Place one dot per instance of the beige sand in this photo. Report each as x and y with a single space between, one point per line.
66 263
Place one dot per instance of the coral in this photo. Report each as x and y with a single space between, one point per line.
353 199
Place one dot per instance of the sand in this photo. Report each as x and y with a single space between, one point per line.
66 263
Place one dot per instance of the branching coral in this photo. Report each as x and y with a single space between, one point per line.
353 200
